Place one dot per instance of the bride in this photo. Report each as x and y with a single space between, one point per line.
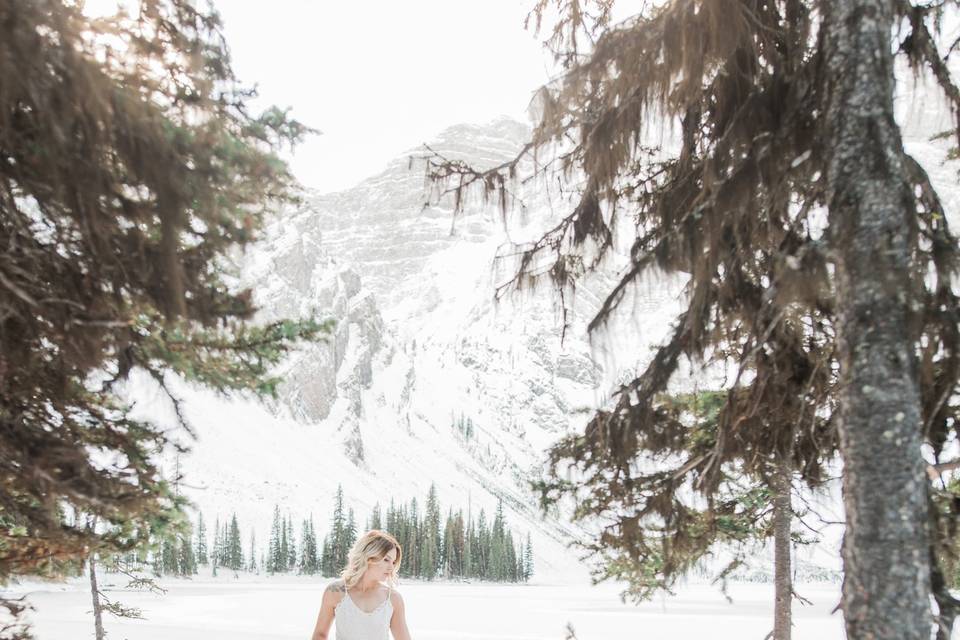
363 599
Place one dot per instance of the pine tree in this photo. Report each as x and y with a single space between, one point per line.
510 560
430 543
234 550
273 559
448 551
392 525
498 549
283 554
225 545
338 549
327 560
309 562
291 562
133 163
253 567
482 550
217 550
349 534
201 548
412 531
469 560
187 560
527 560
375 522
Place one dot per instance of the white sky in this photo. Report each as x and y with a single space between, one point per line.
379 77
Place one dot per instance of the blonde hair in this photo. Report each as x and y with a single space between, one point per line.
373 545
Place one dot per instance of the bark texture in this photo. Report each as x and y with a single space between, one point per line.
95 594
783 582
886 585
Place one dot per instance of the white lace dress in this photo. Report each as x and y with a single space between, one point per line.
353 623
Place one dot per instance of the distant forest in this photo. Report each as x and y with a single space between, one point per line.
464 547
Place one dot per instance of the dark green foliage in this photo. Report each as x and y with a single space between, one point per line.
233 549
466 549
252 565
291 556
309 560
276 554
326 557
130 165
201 548
448 554
464 426
374 522
338 536
527 560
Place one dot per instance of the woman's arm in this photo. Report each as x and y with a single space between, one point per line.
331 597
398 623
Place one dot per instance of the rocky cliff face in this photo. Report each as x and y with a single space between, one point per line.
419 336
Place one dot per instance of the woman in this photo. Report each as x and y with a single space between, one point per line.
363 605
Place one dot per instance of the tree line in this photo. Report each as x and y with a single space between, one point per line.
451 547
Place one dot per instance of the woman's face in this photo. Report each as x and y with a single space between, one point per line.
383 567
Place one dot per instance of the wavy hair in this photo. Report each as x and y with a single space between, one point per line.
372 545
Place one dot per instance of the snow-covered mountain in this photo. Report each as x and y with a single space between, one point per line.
427 379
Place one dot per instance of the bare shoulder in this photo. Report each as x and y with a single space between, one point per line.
337 586
396 599
334 593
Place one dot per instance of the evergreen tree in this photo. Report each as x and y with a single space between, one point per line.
187 561
274 554
392 524
469 557
412 533
309 562
527 560
448 553
498 547
234 548
253 567
291 562
510 570
459 545
133 164
217 551
430 542
283 555
338 527
327 560
375 522
482 550
225 545
349 534
201 549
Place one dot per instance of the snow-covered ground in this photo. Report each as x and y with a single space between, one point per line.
286 607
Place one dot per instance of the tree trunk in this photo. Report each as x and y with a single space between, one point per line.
886 585
783 583
947 605
95 593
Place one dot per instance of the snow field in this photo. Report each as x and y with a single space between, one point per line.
286 607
